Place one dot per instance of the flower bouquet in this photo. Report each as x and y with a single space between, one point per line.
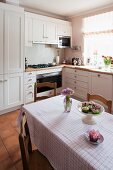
67 100
107 61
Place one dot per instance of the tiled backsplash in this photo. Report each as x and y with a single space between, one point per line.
41 53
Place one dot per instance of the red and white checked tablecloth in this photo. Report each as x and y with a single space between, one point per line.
60 136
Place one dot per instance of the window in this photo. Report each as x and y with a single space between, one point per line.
98 37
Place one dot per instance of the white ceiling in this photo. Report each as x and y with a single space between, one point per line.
66 8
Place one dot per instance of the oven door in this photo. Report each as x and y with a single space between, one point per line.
49 77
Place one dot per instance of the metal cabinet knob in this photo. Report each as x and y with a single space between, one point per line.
98 75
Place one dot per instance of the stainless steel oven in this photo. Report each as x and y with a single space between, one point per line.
49 77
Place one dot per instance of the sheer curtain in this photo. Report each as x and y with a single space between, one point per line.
98 37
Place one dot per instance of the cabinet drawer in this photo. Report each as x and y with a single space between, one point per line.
82 73
29 96
100 75
70 76
69 70
29 87
81 84
81 93
30 80
81 78
29 74
70 85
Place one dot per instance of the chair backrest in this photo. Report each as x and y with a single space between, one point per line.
41 85
25 142
106 102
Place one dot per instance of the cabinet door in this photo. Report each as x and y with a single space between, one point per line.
101 84
1 92
38 28
28 31
13 90
14 42
64 29
1 41
50 33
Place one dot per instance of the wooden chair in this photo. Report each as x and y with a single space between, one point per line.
106 102
42 85
31 159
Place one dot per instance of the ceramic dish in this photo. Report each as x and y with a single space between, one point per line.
94 106
100 140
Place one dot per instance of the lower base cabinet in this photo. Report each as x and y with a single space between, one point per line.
83 82
101 84
11 90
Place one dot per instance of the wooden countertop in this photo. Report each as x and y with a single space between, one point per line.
84 68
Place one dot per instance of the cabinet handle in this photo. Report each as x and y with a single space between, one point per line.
30 73
75 81
75 87
30 92
98 75
3 81
30 80
29 86
75 71
75 76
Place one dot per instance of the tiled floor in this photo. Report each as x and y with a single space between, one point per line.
10 158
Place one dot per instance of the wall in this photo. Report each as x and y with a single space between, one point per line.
77 37
42 54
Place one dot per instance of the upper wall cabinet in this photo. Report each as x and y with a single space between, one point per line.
64 28
14 36
28 31
44 32
42 29
11 39
1 41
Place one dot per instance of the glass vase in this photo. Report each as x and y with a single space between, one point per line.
107 67
67 103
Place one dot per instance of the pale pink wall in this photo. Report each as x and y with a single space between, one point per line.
77 38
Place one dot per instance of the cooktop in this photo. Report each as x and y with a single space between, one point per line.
40 65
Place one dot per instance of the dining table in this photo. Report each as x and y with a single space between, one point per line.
61 136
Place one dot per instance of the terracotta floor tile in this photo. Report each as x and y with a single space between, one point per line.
7 165
19 165
15 154
11 142
3 152
7 132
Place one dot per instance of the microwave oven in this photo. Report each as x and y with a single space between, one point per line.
64 42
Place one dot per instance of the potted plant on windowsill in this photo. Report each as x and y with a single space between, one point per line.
107 62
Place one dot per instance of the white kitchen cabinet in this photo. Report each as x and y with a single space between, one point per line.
11 56
64 28
78 80
38 31
1 41
29 80
13 41
101 84
43 29
50 32
28 31
1 92
44 32
13 90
